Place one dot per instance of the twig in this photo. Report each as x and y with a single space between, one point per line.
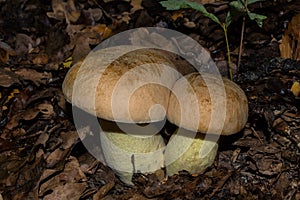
256 134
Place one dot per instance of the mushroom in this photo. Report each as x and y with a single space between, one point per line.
130 89
203 106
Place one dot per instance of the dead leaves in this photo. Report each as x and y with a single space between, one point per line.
8 78
290 45
37 140
68 184
82 37
64 10
296 88
35 76
5 52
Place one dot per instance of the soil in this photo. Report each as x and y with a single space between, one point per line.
41 155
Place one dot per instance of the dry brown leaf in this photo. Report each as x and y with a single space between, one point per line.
64 10
68 184
136 5
58 7
43 138
82 48
5 52
83 37
103 190
24 44
29 114
9 163
40 59
296 88
55 157
31 74
176 14
290 45
69 139
92 15
45 109
8 78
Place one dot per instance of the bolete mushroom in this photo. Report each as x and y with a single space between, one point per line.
202 104
132 88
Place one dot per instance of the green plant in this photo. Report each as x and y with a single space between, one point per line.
241 8
239 5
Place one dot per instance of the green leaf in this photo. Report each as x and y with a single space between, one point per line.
228 19
257 17
177 4
254 1
173 4
237 5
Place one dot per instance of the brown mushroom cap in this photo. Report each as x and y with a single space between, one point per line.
192 103
124 89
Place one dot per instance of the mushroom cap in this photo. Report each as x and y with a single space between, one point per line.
189 151
124 88
208 104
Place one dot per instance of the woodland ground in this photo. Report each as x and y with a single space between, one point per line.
41 156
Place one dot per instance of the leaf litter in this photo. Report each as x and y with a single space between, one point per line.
41 156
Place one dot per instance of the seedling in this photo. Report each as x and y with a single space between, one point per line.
239 5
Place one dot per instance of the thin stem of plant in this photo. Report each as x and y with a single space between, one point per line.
228 51
242 39
241 44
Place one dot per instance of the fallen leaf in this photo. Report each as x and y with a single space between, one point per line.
5 52
8 78
136 5
177 14
68 184
82 38
24 44
104 190
296 88
91 16
290 45
46 109
40 59
67 63
33 75
64 10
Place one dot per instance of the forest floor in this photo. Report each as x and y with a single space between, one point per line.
41 155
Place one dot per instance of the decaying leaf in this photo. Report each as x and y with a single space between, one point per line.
64 10
68 184
136 5
296 88
7 77
45 109
177 14
82 38
24 44
290 45
33 75
40 59
5 52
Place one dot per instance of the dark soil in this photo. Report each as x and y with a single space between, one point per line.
41 155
